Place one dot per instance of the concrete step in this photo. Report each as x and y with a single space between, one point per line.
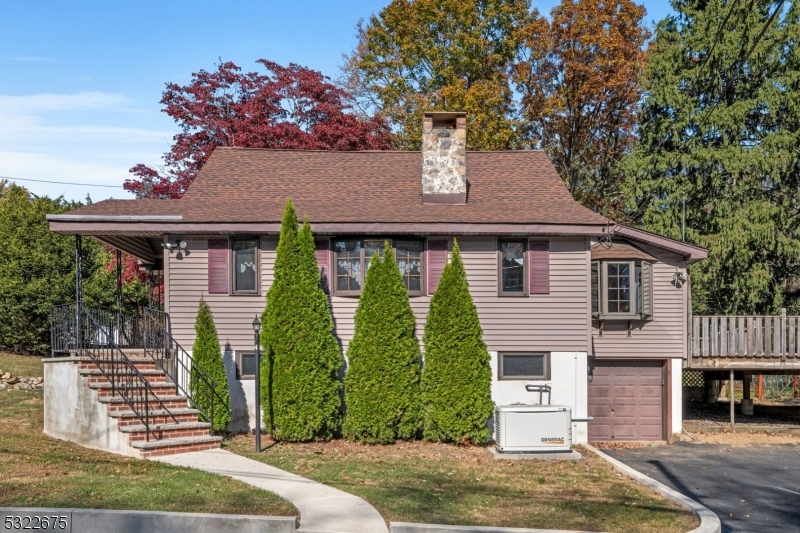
152 376
156 448
138 433
141 363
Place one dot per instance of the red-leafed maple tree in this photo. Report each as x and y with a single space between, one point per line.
288 107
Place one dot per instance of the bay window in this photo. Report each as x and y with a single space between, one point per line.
622 289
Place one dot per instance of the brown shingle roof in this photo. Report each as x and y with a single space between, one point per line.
252 185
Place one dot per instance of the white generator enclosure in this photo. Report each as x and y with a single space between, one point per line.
533 428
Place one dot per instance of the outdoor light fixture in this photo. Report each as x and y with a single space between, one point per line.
678 278
171 245
257 331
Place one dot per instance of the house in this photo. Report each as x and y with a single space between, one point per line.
566 297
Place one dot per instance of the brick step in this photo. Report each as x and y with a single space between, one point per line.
160 419
138 433
116 403
141 364
152 376
157 412
159 389
156 448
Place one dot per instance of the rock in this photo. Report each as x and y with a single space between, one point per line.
12 380
2 385
40 379
25 386
5 376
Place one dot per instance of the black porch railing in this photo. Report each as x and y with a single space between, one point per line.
149 332
97 333
190 379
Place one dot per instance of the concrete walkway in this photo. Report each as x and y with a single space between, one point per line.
322 509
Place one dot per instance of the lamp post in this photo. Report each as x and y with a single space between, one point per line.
257 331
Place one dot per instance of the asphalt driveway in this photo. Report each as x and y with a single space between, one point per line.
753 488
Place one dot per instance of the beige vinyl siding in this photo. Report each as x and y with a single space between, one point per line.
662 337
546 322
188 282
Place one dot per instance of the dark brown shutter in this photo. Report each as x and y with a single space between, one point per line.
437 259
218 266
539 256
323 263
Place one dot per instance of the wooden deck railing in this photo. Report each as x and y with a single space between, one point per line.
745 336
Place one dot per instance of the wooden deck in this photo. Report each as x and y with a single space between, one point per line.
768 344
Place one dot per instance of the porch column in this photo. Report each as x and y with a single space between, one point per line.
119 295
150 287
78 292
747 402
730 396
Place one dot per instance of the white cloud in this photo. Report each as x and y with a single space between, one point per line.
44 102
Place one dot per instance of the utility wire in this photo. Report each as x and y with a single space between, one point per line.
63 182
736 68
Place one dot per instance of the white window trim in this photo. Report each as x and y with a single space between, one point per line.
602 287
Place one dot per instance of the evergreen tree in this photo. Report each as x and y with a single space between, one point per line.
208 355
300 386
457 376
720 129
382 381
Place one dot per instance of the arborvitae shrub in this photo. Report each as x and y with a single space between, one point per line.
457 376
382 381
208 355
300 387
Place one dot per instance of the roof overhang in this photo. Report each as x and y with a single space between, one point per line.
689 252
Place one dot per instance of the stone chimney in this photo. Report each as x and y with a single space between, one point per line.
444 158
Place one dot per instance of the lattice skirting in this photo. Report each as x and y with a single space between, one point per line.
693 378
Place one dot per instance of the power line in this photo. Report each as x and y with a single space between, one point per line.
736 68
63 182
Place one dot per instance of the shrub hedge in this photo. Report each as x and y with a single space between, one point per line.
382 381
457 376
300 388
208 354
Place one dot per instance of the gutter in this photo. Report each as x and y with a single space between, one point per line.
709 521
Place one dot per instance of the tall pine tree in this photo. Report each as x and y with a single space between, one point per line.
382 381
720 130
300 386
457 377
208 355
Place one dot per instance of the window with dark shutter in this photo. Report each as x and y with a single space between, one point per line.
437 259
218 266
323 263
539 252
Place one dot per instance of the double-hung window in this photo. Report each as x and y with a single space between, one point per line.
511 266
233 266
352 257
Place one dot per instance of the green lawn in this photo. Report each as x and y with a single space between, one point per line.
27 366
38 471
444 484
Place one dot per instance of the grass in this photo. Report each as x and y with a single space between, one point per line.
28 366
444 484
39 471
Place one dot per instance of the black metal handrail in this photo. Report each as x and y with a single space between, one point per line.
81 330
181 368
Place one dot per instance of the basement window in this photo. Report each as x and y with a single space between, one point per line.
246 365
524 366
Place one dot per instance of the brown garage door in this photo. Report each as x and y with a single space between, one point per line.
626 400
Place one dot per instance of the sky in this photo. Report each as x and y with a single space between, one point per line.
80 81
